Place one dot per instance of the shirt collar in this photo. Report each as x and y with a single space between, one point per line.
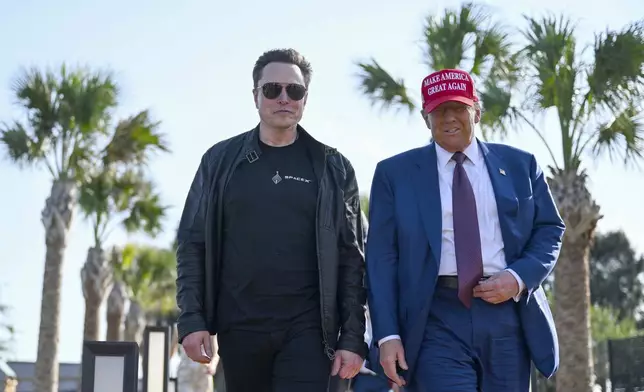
472 152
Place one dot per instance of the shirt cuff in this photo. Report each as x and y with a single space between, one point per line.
387 338
520 282
365 370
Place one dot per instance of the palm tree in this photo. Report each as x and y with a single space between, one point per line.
118 301
465 38
66 115
598 105
147 275
117 192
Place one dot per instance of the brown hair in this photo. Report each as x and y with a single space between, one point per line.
287 56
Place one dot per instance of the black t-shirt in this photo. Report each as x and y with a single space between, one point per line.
270 274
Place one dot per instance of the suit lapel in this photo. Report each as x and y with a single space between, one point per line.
504 194
428 197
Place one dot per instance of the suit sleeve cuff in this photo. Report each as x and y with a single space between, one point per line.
517 298
387 338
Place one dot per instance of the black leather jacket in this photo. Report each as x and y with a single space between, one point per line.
340 242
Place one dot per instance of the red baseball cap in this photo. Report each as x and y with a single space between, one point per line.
448 85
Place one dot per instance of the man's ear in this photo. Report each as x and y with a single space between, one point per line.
425 117
477 116
255 98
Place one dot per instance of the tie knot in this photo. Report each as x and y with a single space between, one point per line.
459 157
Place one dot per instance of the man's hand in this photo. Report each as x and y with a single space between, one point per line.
392 353
193 344
346 364
497 288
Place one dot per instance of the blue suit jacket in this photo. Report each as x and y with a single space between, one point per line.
404 245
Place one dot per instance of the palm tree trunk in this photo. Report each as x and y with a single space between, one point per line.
571 285
56 218
572 301
135 323
117 303
96 276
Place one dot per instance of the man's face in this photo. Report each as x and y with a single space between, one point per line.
452 125
277 93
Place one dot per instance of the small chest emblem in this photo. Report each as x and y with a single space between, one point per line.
276 178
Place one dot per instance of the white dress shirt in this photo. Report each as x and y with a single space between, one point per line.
486 211
367 338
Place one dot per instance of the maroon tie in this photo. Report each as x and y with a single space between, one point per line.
467 240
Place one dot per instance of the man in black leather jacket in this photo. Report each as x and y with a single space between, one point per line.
270 248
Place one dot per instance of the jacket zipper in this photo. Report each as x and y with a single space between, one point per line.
330 352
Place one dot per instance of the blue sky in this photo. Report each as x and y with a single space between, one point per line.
191 63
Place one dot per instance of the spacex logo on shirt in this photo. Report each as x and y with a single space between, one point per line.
277 178
300 179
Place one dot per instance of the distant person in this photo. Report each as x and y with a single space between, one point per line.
270 248
462 234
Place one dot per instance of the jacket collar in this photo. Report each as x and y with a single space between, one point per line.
252 151
318 152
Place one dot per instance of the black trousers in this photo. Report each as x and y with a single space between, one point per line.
286 361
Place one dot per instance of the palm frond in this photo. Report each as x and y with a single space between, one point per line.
493 44
127 187
150 273
623 137
21 147
66 112
82 160
94 201
550 54
37 92
382 89
146 212
498 115
31 143
445 37
134 140
553 75
127 197
467 37
617 76
85 112
87 99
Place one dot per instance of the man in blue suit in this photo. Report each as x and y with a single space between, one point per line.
462 235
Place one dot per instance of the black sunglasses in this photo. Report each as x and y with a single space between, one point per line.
273 90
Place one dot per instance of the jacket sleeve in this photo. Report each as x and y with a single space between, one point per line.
382 257
352 294
191 255
542 249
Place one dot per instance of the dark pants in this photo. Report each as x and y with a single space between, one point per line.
288 361
470 350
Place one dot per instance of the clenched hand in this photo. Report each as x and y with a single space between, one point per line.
193 343
497 288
